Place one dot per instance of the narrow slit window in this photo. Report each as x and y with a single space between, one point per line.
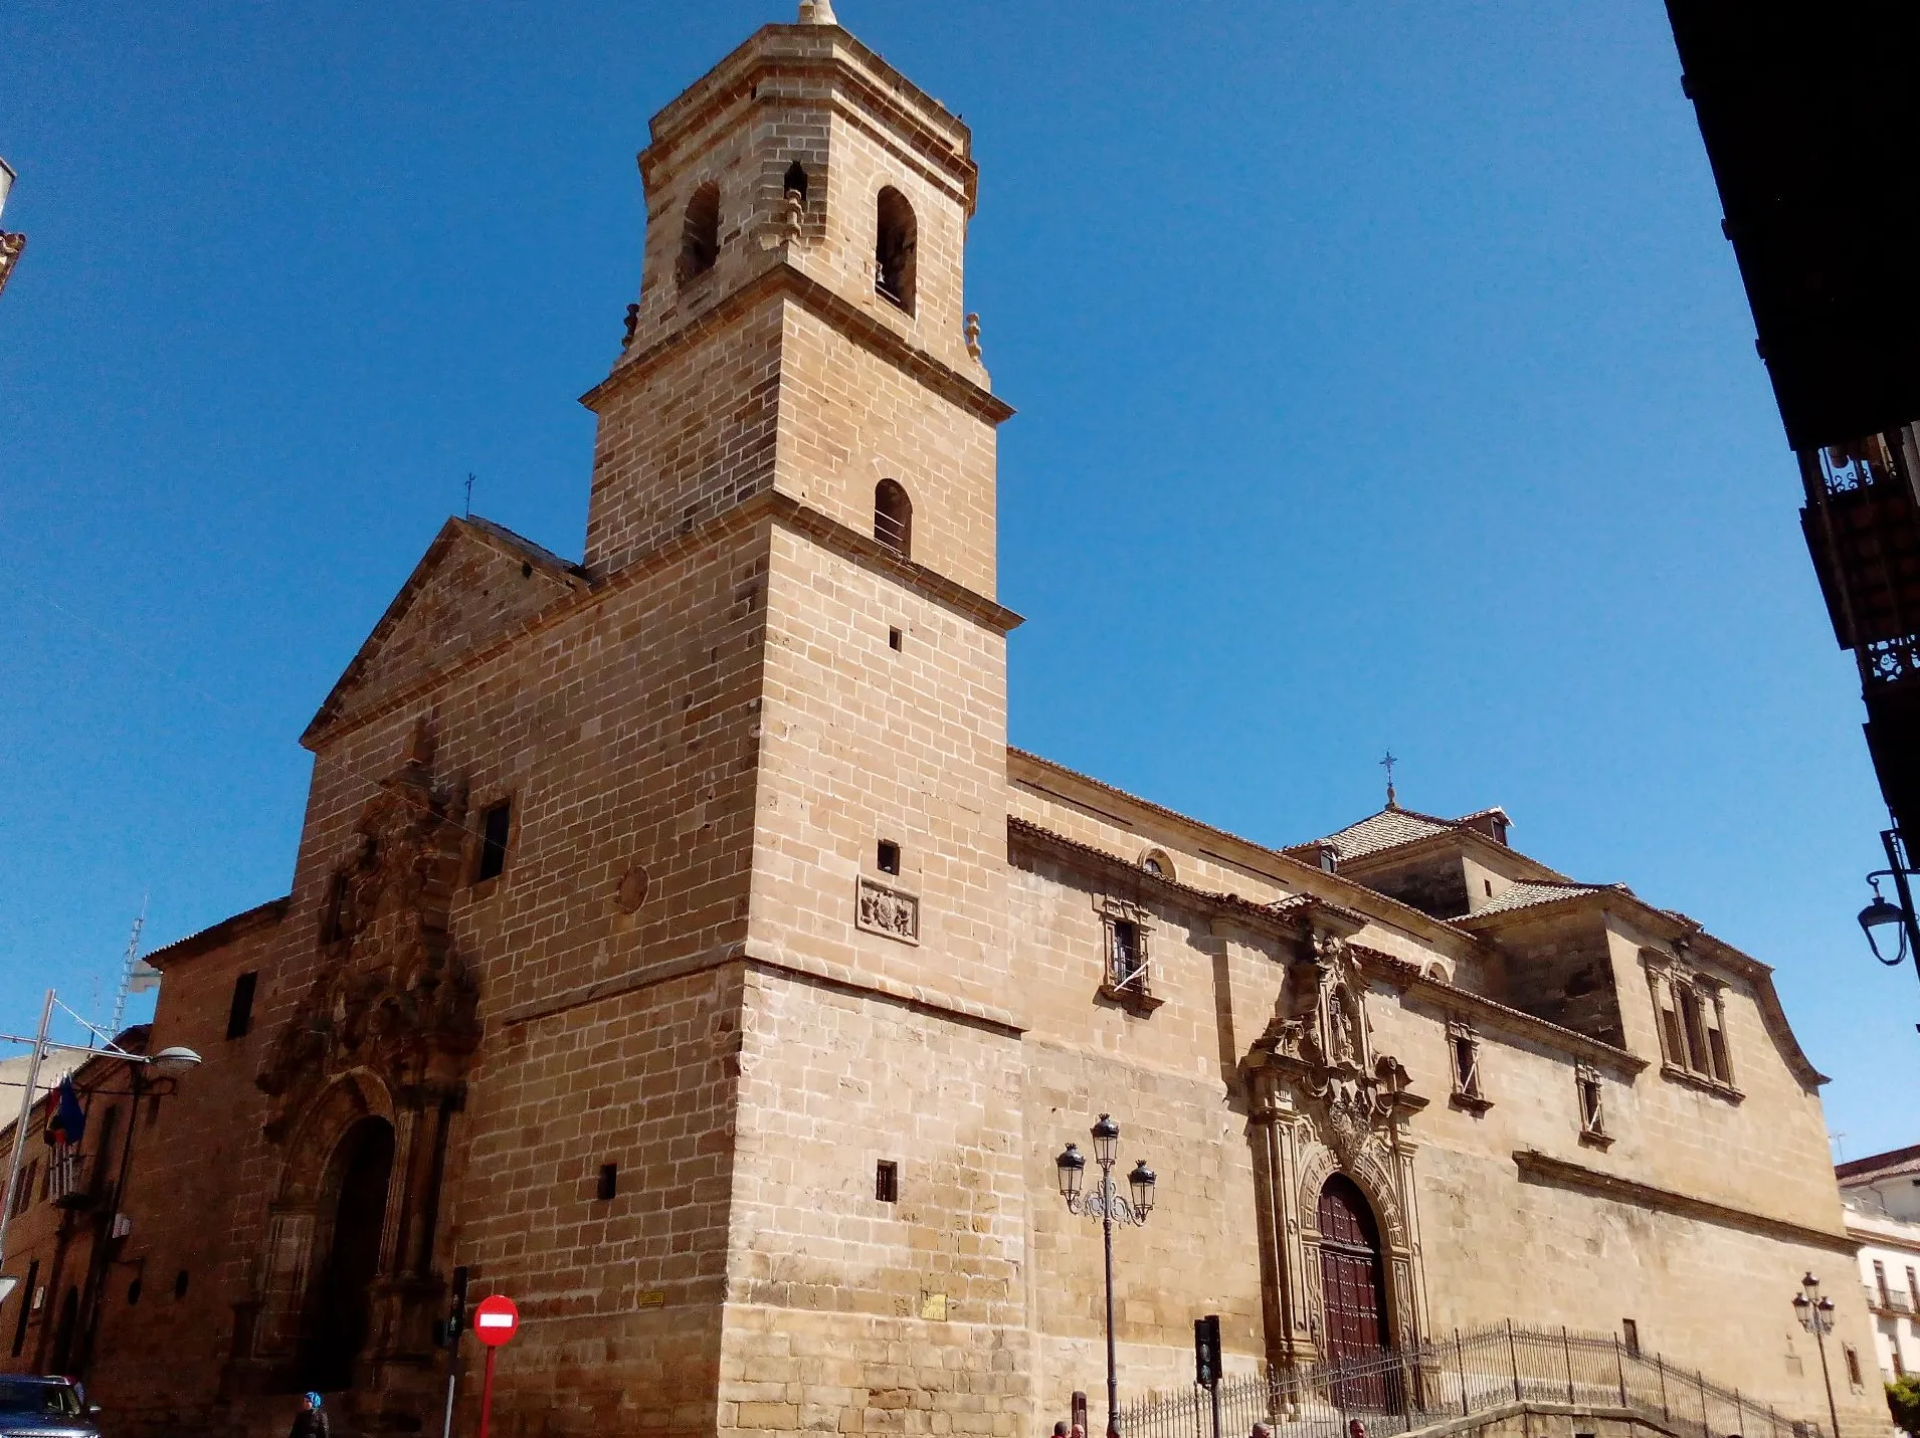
609 1183
888 857
894 640
795 182
1695 1029
180 1284
886 1181
1853 1366
495 827
240 1011
1630 1337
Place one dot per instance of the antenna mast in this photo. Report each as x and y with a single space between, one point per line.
127 967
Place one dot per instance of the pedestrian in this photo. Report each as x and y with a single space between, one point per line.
1261 1430
1060 1428
310 1421
1356 1429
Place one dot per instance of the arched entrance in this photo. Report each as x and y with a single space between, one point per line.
337 1318
1353 1287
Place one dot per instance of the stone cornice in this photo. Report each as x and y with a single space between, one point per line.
1291 921
781 278
1279 867
766 505
261 916
1493 1014
772 958
1545 1169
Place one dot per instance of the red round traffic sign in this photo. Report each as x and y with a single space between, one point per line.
495 1320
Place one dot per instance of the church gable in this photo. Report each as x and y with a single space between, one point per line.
476 583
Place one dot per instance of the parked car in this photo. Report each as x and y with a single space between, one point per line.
45 1408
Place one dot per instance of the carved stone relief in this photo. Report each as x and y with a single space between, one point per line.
1324 1100
883 910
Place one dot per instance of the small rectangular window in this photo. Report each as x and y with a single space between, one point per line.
1880 1281
889 857
240 1011
495 825
1853 1366
1630 1337
894 639
886 1181
1913 1290
609 1182
1466 1069
1593 1118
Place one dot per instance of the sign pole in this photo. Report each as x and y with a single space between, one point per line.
495 1321
486 1391
456 1324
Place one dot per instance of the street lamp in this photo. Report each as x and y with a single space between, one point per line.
1110 1207
1816 1316
1892 923
168 1062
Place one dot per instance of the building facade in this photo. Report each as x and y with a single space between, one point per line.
1882 1198
676 943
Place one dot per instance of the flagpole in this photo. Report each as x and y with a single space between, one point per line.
20 1130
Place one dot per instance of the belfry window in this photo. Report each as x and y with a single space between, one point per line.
700 232
795 182
893 517
893 268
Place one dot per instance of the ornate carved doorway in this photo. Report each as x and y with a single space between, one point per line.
338 1316
1353 1290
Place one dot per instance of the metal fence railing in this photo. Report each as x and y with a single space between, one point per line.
1457 1376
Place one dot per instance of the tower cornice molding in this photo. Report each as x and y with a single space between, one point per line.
877 338
824 52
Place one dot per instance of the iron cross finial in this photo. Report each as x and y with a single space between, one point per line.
1387 764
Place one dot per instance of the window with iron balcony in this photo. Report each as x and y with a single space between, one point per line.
1127 977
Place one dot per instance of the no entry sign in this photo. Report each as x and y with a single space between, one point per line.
495 1320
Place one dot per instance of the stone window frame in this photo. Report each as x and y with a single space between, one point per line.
1468 1093
1132 991
1590 1097
1690 1020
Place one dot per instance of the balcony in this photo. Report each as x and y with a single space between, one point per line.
1889 1300
70 1179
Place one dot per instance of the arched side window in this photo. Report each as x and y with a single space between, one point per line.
700 232
796 181
893 517
893 269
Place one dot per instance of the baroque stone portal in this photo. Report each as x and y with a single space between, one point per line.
1325 1103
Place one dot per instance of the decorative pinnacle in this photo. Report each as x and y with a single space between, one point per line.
817 12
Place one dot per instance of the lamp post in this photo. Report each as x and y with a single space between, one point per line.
1110 1207
1892 923
1816 1316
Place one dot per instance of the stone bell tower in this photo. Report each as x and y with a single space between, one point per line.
801 398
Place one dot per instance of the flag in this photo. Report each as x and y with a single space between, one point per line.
68 1123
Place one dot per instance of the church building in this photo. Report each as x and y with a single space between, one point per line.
676 944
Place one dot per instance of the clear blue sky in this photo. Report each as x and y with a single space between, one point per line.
1384 381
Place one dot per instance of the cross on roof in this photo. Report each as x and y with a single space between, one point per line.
1387 764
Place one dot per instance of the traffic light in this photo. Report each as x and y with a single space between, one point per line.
1206 1350
448 1332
